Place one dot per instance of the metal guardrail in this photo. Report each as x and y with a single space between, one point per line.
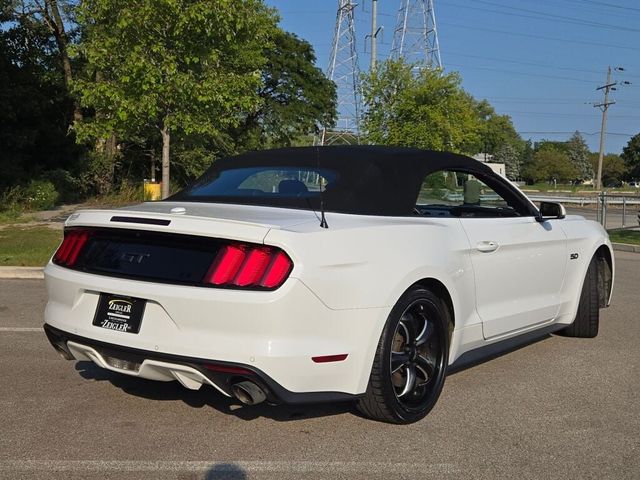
587 200
602 200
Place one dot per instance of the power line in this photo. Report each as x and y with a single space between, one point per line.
542 37
526 132
538 15
534 98
568 115
537 101
533 64
605 4
593 9
555 77
520 62
550 99
544 101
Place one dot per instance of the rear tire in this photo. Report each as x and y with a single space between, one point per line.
410 364
587 318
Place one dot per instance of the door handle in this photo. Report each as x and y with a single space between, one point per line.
487 246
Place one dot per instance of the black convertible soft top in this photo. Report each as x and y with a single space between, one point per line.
361 179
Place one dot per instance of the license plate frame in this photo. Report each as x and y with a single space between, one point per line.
119 313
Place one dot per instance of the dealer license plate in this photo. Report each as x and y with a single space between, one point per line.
120 313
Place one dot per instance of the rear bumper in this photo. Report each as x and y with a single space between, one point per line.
274 333
191 372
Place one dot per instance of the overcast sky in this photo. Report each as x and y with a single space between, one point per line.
539 62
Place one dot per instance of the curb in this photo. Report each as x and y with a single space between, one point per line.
626 247
22 272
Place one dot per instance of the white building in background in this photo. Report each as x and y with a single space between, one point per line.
487 159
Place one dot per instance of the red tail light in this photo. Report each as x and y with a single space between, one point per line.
253 267
240 265
73 243
280 267
226 265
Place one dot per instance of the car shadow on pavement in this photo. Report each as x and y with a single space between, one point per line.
225 471
207 396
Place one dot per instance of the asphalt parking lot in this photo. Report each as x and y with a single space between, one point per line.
553 408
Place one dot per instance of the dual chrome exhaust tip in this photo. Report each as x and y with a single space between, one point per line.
248 393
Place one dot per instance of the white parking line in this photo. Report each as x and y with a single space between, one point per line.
21 329
222 467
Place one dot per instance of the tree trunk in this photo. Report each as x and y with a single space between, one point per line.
165 161
56 26
108 145
153 166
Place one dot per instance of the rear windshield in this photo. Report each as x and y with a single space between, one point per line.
266 182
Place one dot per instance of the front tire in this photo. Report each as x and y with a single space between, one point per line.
587 318
410 364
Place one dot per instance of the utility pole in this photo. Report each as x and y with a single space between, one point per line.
604 106
374 34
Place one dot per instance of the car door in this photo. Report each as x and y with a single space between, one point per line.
518 263
519 266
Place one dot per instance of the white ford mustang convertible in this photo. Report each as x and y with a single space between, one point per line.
323 274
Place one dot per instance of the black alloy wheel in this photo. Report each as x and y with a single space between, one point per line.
411 360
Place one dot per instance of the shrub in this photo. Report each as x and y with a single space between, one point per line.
11 198
10 209
69 187
129 192
98 178
39 195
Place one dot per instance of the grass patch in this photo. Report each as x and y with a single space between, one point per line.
14 216
583 189
546 187
625 236
9 216
27 247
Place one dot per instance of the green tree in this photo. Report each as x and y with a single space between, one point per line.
171 66
508 155
549 164
497 130
614 168
631 157
36 108
525 158
56 17
578 153
426 110
296 97
551 145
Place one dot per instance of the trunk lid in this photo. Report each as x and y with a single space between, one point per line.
235 222
166 242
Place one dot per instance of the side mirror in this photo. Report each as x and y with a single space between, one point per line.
551 210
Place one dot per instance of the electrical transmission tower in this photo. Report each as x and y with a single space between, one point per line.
343 70
415 38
